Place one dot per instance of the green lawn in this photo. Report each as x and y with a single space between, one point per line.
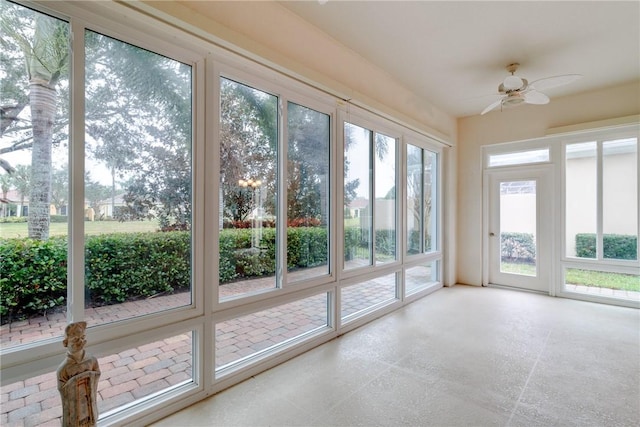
518 268
11 230
574 276
602 279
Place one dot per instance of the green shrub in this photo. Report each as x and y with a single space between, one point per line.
125 266
616 246
118 267
519 247
33 277
13 219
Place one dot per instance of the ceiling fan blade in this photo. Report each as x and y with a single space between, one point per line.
491 106
555 81
535 97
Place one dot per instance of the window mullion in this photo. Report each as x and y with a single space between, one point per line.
75 266
599 206
281 198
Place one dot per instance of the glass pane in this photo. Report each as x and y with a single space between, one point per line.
518 227
430 200
420 277
581 192
602 283
32 402
357 300
137 181
519 158
357 196
34 170
414 199
125 377
140 372
255 334
385 207
620 199
248 183
307 193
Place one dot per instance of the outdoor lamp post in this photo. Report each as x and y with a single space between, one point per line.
257 213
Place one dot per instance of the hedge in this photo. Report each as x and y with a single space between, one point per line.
120 267
616 246
33 278
519 247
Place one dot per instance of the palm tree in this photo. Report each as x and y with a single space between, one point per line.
5 185
45 47
22 183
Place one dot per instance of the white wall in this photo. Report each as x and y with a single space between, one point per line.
526 122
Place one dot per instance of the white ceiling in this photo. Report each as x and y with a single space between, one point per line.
454 53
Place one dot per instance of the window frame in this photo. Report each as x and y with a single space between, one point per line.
358 117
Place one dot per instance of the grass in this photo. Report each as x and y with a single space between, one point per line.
575 276
518 268
19 229
602 279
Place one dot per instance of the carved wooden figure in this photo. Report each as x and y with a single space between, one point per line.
78 377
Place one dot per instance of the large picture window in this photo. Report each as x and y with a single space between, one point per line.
35 178
96 215
137 181
601 218
370 201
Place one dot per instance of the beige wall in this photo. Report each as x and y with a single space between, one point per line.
517 124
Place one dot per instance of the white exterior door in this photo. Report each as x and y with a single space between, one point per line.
520 228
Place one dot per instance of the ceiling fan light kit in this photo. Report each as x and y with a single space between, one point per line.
516 90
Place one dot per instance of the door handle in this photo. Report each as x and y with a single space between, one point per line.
492 234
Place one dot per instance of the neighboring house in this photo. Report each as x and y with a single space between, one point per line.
107 207
357 207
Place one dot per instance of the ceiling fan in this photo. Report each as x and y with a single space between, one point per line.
516 90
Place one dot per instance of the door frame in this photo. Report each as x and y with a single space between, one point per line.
545 219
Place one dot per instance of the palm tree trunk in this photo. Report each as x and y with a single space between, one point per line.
42 99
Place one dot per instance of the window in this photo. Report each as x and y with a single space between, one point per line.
601 218
137 181
248 338
248 185
366 296
422 199
103 179
36 146
420 276
308 193
519 158
370 201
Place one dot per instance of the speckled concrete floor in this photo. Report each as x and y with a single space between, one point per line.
463 356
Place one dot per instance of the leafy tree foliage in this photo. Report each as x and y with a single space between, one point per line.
43 43
248 139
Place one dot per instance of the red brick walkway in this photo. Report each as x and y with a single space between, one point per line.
139 372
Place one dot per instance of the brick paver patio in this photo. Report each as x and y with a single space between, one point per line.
135 373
